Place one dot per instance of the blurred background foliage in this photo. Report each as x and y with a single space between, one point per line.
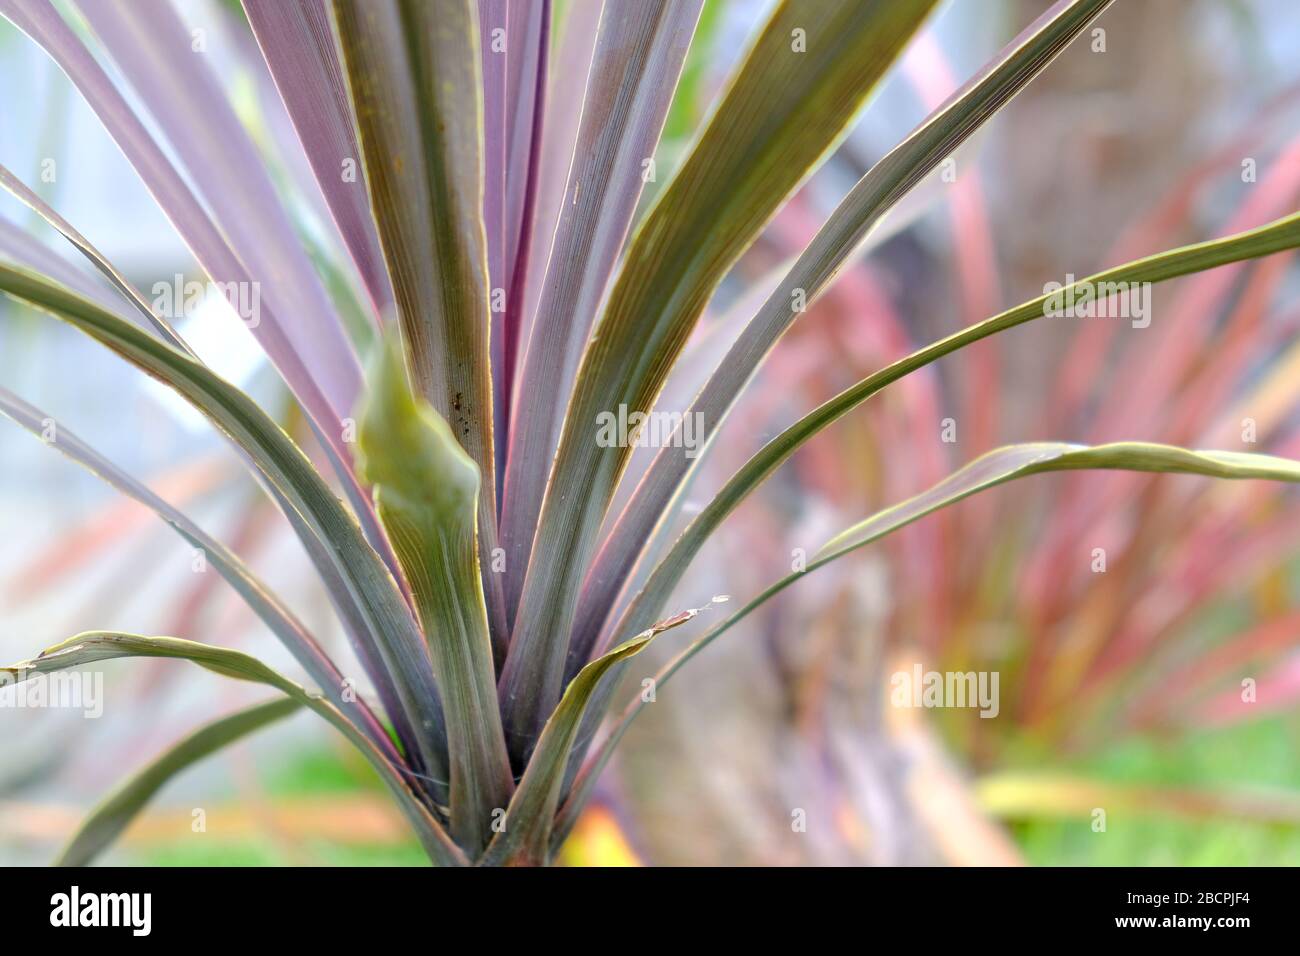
1120 690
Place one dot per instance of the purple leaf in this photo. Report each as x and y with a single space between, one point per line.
639 53
298 45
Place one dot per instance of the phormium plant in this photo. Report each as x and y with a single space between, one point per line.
514 315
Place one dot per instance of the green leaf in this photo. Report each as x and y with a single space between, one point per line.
809 71
107 822
530 819
95 646
365 588
260 599
531 813
667 574
1274 237
995 468
120 282
414 78
887 182
426 489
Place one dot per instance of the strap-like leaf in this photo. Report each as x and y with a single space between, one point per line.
26 250
639 53
298 44
810 69
573 29
997 467
361 581
414 78
95 646
874 195
514 38
1274 237
263 602
43 209
314 357
530 817
108 820
426 489
186 100
531 813
39 20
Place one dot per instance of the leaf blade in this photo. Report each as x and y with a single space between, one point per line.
298 46
412 68
322 386
529 817
997 467
95 646
860 211
184 97
1274 237
639 53
1277 236
360 581
114 814
777 119
261 600
426 488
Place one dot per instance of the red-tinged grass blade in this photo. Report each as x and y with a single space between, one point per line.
1152 230
973 257
1235 552
1274 691
874 195
298 44
1183 350
995 468
185 98
426 488
1176 689
638 57
1161 514
1156 363
358 580
414 80
807 74
262 600
95 646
